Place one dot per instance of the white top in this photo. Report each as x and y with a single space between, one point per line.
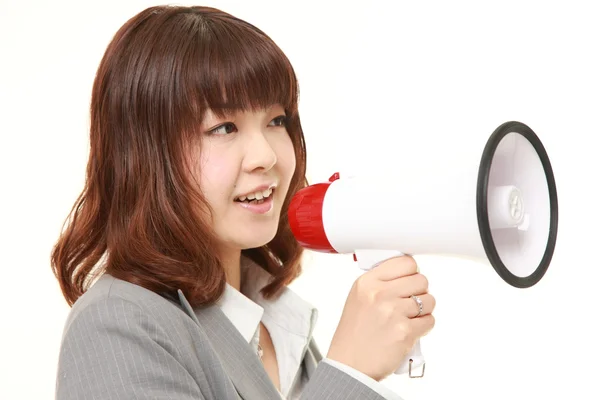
290 321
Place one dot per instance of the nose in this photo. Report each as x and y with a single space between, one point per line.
260 154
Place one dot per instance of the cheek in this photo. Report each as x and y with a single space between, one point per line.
217 178
217 173
286 157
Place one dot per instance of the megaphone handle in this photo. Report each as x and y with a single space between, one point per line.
369 259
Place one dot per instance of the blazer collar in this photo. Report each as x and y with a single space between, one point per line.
241 364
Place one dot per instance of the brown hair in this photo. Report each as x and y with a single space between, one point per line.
141 216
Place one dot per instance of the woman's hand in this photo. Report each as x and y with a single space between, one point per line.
378 327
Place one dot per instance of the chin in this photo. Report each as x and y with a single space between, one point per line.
257 241
253 239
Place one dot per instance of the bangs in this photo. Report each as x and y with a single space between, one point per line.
238 68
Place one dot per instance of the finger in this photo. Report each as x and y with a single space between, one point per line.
411 306
422 325
395 268
406 286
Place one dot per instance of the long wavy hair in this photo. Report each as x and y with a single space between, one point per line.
141 216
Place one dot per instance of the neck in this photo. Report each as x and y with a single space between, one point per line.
232 266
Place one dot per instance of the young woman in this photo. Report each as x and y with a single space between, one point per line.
177 255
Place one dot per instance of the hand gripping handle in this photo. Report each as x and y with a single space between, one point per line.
369 259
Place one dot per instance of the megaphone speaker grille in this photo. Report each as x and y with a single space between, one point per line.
517 205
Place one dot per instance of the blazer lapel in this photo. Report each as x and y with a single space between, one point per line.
312 358
239 361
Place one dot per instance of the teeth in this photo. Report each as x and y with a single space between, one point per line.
257 195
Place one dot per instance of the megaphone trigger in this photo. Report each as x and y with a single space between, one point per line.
369 259
410 375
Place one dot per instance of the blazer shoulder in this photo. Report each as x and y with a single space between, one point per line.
109 291
118 326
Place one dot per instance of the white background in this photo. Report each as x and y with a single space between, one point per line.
391 86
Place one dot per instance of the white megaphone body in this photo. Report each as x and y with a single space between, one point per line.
500 207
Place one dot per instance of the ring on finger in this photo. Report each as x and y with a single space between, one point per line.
417 299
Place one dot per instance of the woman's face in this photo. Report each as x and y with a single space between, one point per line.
245 166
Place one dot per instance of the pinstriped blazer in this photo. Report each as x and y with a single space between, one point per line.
122 341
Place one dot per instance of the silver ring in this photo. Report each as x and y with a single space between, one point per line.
419 303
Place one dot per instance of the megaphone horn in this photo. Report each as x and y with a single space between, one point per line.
501 207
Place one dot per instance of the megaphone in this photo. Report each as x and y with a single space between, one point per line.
500 207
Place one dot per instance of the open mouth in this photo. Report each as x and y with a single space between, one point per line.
256 198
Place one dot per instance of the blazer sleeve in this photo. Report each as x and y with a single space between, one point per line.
331 382
111 349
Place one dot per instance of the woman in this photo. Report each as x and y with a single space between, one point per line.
177 255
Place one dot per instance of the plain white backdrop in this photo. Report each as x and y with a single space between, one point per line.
385 86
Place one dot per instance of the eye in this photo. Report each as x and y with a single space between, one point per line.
224 129
279 121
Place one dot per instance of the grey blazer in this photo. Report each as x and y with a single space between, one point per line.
122 341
